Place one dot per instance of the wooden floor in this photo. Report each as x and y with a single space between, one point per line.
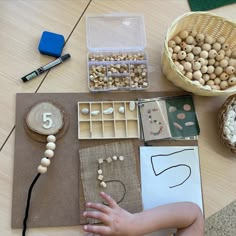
22 23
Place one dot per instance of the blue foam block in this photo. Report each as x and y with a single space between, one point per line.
51 44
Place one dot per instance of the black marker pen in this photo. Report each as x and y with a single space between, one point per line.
42 69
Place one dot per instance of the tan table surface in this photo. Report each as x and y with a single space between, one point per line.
22 23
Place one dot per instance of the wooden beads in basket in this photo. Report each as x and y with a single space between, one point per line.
206 61
100 172
48 154
227 123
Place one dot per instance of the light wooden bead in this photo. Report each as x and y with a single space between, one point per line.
209 39
187 48
233 53
42 169
200 37
232 62
189 57
201 81
220 56
181 55
51 138
100 161
189 75
216 46
210 69
224 76
100 177
232 81
225 46
217 63
215 87
177 39
212 53
224 85
204 54
45 162
121 158
171 43
189 39
51 146
228 52
196 66
204 69
201 61
177 49
193 33
180 67
183 34
217 80
197 75
224 63
99 171
103 184
206 77
212 76
187 66
211 61
221 39
218 70
210 82
206 47
174 57
230 70
109 160
49 153
183 44
114 158
196 50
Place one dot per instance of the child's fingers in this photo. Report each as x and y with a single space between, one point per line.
99 207
111 202
97 229
97 215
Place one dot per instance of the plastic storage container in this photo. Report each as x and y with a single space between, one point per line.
116 57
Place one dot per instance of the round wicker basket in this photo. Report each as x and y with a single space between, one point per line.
222 119
202 22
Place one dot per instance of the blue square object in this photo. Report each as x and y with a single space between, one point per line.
51 44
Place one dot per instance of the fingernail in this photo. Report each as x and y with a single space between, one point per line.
85 227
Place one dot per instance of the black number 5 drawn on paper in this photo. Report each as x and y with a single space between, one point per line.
174 166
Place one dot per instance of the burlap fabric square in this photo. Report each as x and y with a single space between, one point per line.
120 176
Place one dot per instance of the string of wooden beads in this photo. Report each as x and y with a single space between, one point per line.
207 61
100 172
48 154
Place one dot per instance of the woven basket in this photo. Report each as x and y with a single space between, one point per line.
202 22
222 116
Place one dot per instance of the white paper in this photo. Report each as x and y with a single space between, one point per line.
170 174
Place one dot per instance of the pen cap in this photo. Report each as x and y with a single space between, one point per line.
65 57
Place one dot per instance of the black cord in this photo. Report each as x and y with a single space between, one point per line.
28 204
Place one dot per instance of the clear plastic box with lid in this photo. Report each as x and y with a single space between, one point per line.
116 57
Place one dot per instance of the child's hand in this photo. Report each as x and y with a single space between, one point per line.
116 221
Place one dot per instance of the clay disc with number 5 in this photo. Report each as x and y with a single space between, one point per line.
45 118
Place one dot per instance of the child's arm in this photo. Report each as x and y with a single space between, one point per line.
186 217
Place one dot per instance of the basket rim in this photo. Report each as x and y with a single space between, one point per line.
228 91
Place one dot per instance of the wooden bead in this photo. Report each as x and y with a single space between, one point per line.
211 61
196 50
51 138
204 69
187 48
99 171
100 177
212 53
206 77
228 52
225 46
200 37
187 66
212 76
177 49
216 46
51 146
180 67
171 43
224 63
197 75
224 76
189 57
189 75
206 47
232 62
233 53
45 162
114 158
183 34
177 39
201 81
109 160
196 66
224 85
42 169
201 61
209 39
220 56
210 82
215 87
103 184
193 33
230 70
100 161
217 80
218 70
232 81
210 69
204 54
189 39
49 153
221 40
121 158
174 57
181 55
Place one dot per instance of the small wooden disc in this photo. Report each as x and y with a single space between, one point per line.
45 118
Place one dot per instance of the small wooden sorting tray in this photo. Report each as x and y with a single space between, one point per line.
106 126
